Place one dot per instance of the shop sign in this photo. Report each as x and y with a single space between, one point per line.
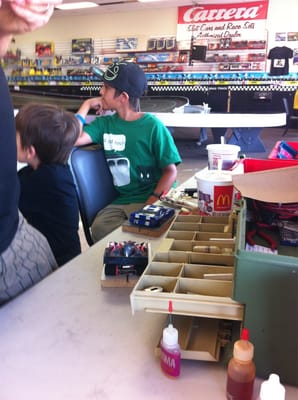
217 21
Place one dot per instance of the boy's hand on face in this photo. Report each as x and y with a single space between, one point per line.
96 104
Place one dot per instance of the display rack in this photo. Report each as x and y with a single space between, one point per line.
227 55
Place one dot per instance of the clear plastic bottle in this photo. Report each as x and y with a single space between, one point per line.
170 352
241 370
272 389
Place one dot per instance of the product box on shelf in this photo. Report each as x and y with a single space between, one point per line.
284 150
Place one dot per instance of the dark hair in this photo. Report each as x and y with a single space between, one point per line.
134 102
52 131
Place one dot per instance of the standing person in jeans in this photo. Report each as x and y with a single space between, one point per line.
25 255
139 149
45 137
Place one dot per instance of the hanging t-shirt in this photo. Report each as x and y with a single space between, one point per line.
198 52
279 57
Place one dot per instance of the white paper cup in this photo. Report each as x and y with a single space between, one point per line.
227 153
215 192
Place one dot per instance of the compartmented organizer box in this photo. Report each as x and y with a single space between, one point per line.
210 293
268 286
194 267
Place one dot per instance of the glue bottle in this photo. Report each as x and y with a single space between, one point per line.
170 352
272 389
241 370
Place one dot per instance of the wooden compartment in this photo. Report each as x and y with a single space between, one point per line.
212 235
189 295
206 219
185 255
204 287
225 247
207 272
202 338
164 269
189 218
211 259
184 226
181 245
172 257
168 284
215 219
198 338
214 228
181 235
203 246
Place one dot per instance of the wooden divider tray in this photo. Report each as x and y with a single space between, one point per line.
194 269
197 283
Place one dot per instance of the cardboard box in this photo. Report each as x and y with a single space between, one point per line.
268 180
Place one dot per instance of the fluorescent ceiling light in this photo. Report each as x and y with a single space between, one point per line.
76 6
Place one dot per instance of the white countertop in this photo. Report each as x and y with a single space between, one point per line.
222 120
69 339
217 120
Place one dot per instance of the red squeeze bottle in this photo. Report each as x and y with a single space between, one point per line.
241 369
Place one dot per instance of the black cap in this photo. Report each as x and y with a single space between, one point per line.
125 76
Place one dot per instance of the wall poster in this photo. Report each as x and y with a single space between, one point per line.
82 46
129 43
44 49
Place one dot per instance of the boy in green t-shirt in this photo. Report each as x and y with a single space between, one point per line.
139 149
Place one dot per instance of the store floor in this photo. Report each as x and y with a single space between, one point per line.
195 157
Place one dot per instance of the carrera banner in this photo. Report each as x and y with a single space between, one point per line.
216 21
